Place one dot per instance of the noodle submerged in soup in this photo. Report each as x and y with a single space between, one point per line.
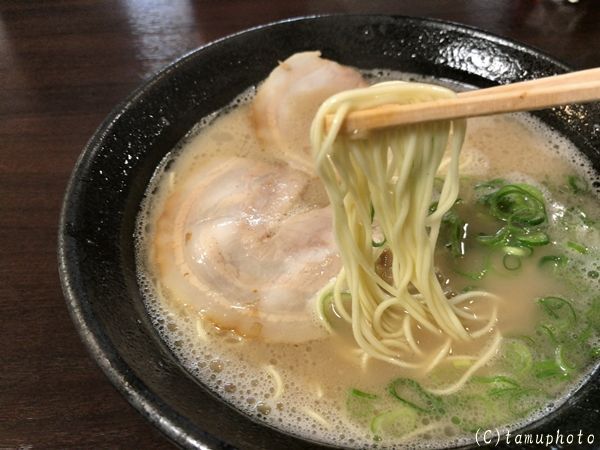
236 255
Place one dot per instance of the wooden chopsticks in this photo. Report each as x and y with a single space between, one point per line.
575 87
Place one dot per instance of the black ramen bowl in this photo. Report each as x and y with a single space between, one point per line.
96 248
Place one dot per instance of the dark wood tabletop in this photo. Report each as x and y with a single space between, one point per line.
63 65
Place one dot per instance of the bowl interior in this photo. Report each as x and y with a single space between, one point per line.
96 251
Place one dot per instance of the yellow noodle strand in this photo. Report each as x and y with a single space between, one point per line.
392 173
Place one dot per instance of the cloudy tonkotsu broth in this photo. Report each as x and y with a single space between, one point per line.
280 365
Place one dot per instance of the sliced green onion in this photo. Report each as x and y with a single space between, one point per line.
396 422
475 276
577 184
517 251
523 209
361 394
487 188
547 369
577 247
555 261
515 240
558 309
511 262
360 404
519 203
491 184
567 363
527 339
324 304
499 385
412 394
454 229
497 379
548 331
536 238
517 356
501 238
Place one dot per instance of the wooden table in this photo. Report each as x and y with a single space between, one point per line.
63 66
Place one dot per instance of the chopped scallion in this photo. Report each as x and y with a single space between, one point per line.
558 309
536 238
511 262
547 369
412 394
362 394
577 247
519 204
360 404
499 385
396 422
555 261
577 184
454 230
517 356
